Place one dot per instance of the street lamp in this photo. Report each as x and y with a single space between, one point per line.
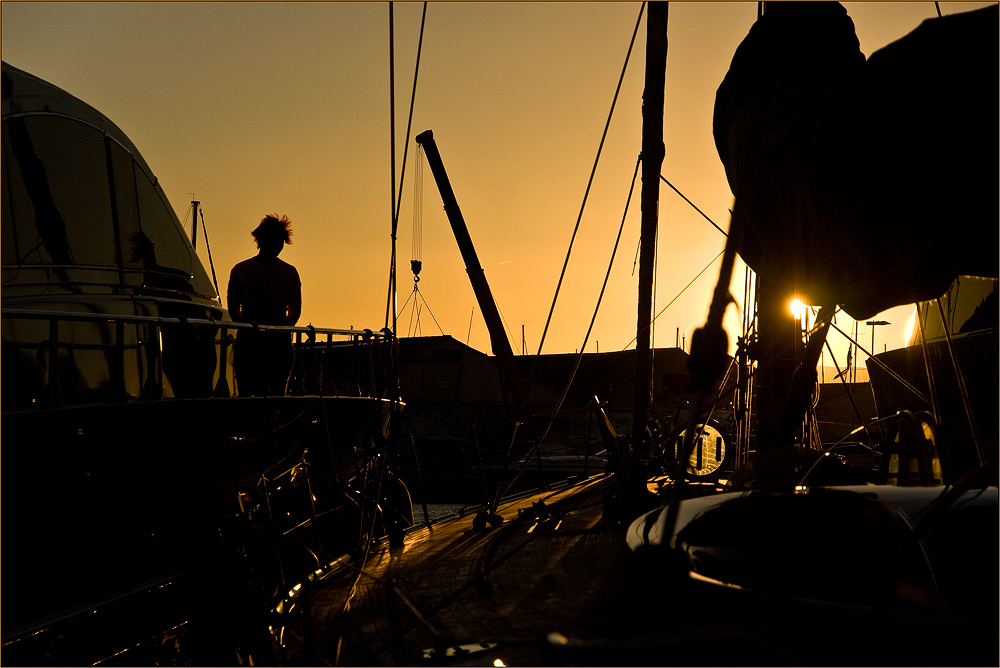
873 323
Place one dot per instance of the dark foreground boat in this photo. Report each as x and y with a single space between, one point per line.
149 515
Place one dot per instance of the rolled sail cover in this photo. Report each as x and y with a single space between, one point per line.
868 184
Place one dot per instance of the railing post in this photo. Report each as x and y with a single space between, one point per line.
322 367
52 396
118 373
158 361
317 368
420 479
297 386
222 385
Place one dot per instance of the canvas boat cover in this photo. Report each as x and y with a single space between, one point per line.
865 183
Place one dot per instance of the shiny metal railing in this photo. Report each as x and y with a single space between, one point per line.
306 337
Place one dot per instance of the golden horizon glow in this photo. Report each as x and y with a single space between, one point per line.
248 132
909 327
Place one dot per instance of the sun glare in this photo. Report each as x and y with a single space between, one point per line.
797 308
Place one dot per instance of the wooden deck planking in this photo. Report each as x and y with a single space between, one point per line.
500 585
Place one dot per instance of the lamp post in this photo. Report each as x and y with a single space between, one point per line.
873 323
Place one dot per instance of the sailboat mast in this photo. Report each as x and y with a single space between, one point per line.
194 223
652 159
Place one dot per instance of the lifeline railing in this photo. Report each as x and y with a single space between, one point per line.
153 344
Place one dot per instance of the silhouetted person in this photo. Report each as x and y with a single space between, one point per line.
266 291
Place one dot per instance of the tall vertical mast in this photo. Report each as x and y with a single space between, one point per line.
652 159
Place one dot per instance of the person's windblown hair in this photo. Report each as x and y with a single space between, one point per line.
273 227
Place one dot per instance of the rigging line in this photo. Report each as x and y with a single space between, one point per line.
635 260
368 542
391 583
392 121
576 229
414 329
209 249
409 120
390 302
402 308
396 202
408 298
424 300
852 433
590 329
693 205
721 297
857 412
417 233
510 334
679 294
591 180
962 391
685 454
928 367
920 395
583 205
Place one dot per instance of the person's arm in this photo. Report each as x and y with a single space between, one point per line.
295 300
234 297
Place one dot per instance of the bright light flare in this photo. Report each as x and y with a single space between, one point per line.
498 663
797 308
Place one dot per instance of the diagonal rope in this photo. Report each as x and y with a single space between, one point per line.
569 251
635 261
428 307
850 397
209 249
390 302
586 194
390 305
417 234
882 365
510 334
704 215
409 120
586 338
679 294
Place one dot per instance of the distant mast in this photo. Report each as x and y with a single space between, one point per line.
194 223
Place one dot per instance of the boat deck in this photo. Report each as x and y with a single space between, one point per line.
416 603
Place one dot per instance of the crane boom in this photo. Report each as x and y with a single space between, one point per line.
481 288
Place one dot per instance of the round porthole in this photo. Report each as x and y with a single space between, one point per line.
709 450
